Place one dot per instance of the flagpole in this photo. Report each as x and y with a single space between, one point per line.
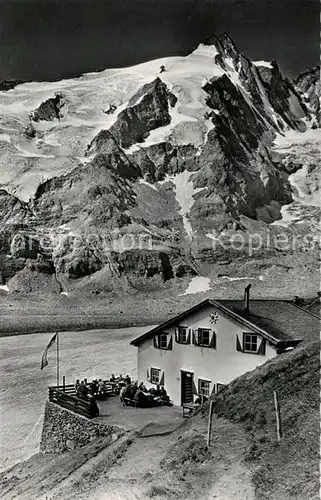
57 361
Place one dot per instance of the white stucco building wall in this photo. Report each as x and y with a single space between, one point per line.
219 366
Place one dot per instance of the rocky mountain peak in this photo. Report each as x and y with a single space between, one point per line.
180 156
224 44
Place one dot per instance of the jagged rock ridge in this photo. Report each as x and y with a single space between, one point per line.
183 156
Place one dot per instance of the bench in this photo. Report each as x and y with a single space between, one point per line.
189 409
129 402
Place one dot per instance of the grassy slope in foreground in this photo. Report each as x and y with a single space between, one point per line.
289 470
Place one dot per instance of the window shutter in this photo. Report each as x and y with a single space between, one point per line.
188 340
213 340
156 341
193 337
238 345
148 375
194 387
176 335
170 343
162 379
261 349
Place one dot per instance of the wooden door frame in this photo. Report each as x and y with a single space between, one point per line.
192 374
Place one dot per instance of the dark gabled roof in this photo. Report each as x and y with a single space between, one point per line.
279 321
280 318
314 306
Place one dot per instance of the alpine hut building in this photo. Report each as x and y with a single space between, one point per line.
214 342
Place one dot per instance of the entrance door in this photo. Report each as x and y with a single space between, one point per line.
186 387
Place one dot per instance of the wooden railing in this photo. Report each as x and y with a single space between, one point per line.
65 396
70 402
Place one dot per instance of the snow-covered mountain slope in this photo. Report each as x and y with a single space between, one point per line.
60 144
170 150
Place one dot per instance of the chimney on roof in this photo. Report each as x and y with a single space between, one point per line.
247 298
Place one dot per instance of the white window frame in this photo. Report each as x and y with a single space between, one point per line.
180 338
153 379
200 382
160 344
201 344
250 342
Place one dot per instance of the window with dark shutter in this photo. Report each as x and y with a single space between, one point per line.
203 337
163 341
204 387
213 341
261 349
253 343
249 342
183 335
155 375
238 345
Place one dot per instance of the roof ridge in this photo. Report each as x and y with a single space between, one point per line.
306 310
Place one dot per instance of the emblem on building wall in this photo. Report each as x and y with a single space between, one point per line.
214 318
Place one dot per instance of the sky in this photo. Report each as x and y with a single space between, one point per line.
54 39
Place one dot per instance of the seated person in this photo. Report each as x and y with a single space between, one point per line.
94 387
157 392
142 387
163 395
132 391
139 397
123 392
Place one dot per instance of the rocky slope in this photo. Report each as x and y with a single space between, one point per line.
309 84
138 174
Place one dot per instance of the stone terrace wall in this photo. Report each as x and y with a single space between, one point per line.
64 430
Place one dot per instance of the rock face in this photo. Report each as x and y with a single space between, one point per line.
308 83
184 157
49 110
9 84
146 111
267 87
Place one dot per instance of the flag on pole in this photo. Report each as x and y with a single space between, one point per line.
44 358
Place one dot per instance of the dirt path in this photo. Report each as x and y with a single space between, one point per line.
235 484
138 473
162 461
126 478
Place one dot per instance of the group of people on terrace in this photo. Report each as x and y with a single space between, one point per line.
128 390
142 396
83 389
